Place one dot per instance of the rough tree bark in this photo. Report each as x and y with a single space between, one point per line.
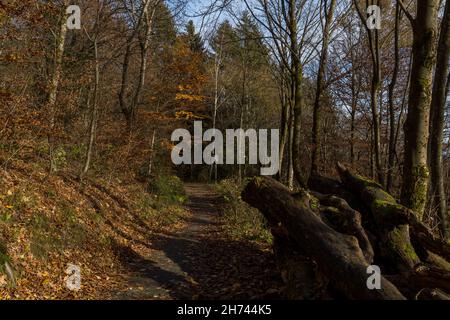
437 116
416 128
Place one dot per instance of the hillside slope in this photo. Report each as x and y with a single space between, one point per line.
49 223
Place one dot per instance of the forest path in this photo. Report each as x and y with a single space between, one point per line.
198 262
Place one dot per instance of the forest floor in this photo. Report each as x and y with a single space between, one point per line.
199 261
128 243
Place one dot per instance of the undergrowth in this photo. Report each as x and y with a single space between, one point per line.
241 221
163 206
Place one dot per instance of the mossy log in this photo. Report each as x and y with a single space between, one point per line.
337 255
391 219
377 198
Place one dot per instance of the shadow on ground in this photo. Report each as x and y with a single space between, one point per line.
198 262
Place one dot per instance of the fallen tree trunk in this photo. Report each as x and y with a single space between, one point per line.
394 217
391 220
337 255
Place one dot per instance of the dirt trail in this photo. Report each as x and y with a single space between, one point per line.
197 262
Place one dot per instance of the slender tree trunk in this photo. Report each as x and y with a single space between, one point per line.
297 79
415 171
352 133
323 63
124 84
354 106
284 124
54 83
94 115
374 46
372 166
152 149
403 105
143 43
291 147
392 129
241 143
126 109
438 102
375 89
217 64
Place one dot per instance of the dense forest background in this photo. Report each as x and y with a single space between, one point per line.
97 105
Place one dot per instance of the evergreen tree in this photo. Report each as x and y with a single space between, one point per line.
195 41
252 48
226 41
164 30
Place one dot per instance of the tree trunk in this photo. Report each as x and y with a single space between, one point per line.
323 63
94 114
54 83
374 47
217 65
375 91
353 117
143 43
291 148
127 109
124 85
284 124
415 171
297 79
438 103
152 149
392 129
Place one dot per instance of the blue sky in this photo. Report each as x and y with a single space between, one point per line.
205 24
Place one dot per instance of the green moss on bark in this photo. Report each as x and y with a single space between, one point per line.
415 191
